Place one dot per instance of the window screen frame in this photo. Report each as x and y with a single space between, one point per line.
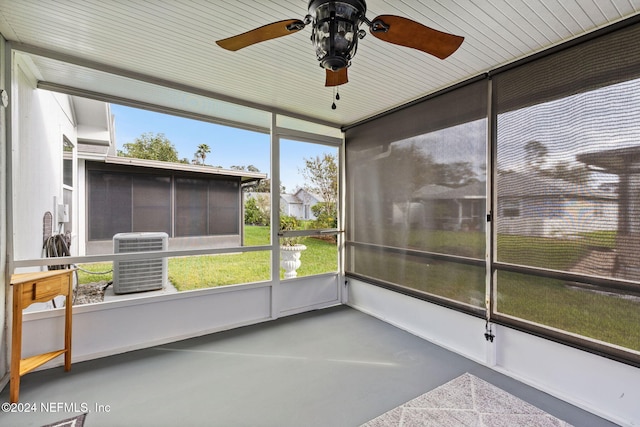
535 69
469 103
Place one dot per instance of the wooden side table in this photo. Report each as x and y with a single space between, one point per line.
29 288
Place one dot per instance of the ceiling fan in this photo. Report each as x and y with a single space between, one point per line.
336 32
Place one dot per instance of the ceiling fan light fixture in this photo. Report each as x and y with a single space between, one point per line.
335 31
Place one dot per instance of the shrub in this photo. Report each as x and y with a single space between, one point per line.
288 223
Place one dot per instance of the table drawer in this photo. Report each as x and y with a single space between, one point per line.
49 288
44 289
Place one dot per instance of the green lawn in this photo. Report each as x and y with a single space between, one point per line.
98 267
206 271
550 302
459 282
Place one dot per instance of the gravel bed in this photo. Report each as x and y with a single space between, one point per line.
89 293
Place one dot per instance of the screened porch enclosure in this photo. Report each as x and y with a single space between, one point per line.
496 218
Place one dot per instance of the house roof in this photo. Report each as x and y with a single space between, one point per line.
301 192
107 47
296 198
514 184
245 176
475 190
616 161
430 191
291 199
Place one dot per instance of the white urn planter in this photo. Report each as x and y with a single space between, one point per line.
290 259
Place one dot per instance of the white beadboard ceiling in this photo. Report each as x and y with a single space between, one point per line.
174 41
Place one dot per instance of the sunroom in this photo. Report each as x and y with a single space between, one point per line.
486 205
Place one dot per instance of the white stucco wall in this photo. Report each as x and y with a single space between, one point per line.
43 118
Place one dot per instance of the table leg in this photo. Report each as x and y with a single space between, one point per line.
16 344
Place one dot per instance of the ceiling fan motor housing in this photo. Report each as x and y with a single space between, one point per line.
335 30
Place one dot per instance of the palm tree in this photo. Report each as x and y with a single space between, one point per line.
201 153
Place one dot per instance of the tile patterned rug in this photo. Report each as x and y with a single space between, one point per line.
466 401
69 422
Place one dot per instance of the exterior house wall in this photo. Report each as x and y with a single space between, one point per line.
299 204
308 201
291 209
570 217
580 216
520 223
43 119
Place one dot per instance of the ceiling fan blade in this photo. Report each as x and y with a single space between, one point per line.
405 32
261 34
336 78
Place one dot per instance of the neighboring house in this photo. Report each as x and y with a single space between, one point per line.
535 205
458 208
528 204
299 204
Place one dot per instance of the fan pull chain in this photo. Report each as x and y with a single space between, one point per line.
336 95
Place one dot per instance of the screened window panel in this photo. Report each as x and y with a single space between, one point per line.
421 187
424 192
462 283
109 206
609 317
568 174
152 204
568 169
67 171
191 207
224 207
67 162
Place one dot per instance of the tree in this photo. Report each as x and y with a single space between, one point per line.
578 174
249 168
257 211
201 153
536 153
321 176
150 146
400 179
262 186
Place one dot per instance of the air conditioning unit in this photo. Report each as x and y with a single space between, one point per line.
143 274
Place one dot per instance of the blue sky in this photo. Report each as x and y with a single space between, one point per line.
229 146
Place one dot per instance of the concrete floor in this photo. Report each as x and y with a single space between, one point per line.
329 368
